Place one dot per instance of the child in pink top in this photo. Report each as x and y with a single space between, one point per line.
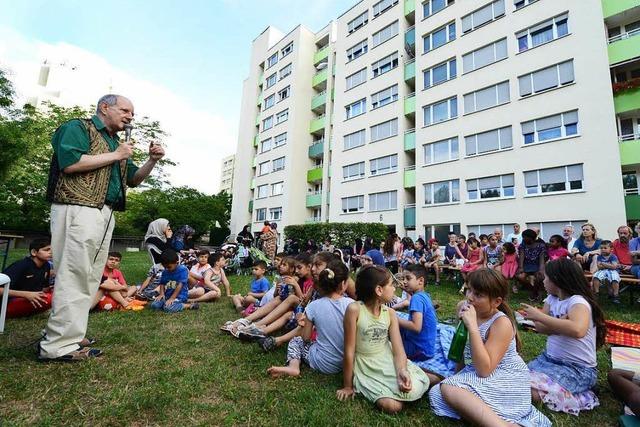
509 260
475 257
557 248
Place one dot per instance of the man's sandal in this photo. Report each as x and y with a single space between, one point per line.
80 355
87 342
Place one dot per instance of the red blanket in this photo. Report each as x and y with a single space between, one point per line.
622 333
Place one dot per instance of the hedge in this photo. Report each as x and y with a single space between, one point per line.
343 234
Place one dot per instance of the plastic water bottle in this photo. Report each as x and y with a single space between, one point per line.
456 351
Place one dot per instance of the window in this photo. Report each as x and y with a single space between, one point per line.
271 80
482 16
563 178
630 183
267 123
357 108
440 111
265 145
550 128
261 214
434 6
277 188
490 187
264 168
358 22
484 56
353 171
282 116
352 204
548 229
357 50
383 165
384 65
275 214
382 6
285 71
284 93
384 130
279 140
629 129
547 78
286 50
441 151
385 34
543 33
485 142
273 60
354 140
519 4
439 37
486 98
269 101
278 164
384 97
442 192
356 78
441 232
440 73
263 191
383 201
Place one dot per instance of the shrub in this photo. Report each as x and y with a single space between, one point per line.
343 234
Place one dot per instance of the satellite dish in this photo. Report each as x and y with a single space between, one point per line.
322 66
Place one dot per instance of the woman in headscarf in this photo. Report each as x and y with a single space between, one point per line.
183 239
269 241
245 236
158 233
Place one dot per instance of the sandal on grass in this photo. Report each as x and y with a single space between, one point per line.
87 342
80 355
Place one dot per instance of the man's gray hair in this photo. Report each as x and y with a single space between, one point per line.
109 99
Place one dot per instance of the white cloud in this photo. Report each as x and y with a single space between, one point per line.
198 140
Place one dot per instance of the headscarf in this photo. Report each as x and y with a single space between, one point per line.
156 229
182 233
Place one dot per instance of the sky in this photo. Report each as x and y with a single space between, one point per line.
181 62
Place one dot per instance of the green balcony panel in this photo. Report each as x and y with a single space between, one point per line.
632 207
409 71
314 200
256 140
410 105
316 150
318 100
259 100
409 141
255 162
258 120
630 152
409 7
333 94
314 175
409 178
321 54
410 38
253 184
316 124
614 7
627 100
250 206
624 50
410 217
319 78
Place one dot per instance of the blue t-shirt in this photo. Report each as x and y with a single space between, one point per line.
171 280
583 249
421 345
259 286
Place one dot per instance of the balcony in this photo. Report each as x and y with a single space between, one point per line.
632 204
624 47
614 7
253 184
319 102
250 206
314 200
410 104
627 100
317 125
409 7
259 102
410 38
410 216
314 175
316 149
256 140
410 140
313 220
410 177
258 120
319 80
410 71
321 55
630 150
255 162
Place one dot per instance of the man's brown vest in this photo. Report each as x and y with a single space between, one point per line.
85 188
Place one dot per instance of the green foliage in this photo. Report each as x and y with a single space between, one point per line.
342 233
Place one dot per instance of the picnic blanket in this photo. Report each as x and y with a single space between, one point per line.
625 358
623 333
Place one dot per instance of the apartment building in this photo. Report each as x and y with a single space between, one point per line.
450 115
226 174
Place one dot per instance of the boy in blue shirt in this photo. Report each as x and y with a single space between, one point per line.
259 287
173 289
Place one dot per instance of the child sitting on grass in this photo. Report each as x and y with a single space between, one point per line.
435 260
375 364
326 314
197 270
148 290
212 278
607 265
113 292
259 287
174 287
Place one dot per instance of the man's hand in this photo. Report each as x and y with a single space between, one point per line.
124 151
156 151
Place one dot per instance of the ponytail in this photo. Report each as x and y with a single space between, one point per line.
506 309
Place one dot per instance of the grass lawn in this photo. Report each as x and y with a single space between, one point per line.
165 369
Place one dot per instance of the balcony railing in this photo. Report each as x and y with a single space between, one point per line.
624 36
628 137
630 191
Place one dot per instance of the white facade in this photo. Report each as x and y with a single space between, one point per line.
226 176
508 102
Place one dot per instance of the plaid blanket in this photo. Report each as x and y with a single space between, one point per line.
622 333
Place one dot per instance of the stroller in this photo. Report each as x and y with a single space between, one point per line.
242 261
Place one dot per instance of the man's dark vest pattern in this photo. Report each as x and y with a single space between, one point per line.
85 188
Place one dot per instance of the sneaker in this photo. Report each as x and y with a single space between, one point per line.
195 306
615 299
251 333
267 344
227 326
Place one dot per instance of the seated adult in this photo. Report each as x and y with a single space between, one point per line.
156 239
183 238
620 248
634 251
567 233
29 291
245 237
586 246
516 235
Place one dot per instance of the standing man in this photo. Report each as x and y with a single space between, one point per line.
88 178
516 235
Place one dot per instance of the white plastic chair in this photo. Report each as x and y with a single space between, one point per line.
4 281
